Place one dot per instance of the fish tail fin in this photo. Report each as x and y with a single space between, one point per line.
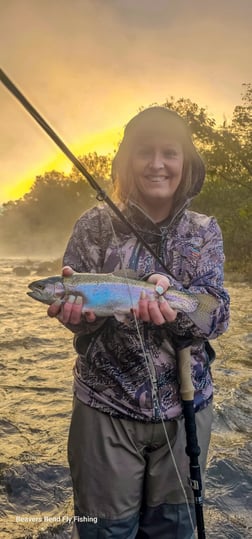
202 316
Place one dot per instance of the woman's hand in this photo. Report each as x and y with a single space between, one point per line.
70 312
156 310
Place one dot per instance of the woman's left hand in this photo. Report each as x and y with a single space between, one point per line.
156 310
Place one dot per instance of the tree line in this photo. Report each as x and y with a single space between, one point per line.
41 221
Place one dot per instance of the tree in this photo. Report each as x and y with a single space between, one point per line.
43 218
228 189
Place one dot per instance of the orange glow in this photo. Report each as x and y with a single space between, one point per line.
13 191
102 143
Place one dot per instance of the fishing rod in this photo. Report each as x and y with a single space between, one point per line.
192 448
101 194
183 351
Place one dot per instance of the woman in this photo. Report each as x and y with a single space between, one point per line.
127 439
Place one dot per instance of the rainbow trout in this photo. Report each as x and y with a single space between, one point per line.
109 294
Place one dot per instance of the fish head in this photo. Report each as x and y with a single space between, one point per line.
47 290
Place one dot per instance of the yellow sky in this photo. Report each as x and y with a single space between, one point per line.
88 65
102 143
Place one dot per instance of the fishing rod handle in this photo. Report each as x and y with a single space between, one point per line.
184 368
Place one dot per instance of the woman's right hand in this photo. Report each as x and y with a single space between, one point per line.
70 312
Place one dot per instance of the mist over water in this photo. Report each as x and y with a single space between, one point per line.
35 248
36 360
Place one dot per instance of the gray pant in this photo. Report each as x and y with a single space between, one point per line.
124 479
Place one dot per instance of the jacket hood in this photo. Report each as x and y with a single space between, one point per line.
160 120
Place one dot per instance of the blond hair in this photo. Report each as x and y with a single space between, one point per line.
164 121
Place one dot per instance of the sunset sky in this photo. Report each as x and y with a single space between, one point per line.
88 65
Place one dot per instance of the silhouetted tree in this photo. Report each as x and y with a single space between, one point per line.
43 218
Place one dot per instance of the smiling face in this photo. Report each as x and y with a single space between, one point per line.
157 166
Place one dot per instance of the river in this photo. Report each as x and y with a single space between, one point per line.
36 360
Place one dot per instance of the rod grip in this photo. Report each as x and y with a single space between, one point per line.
184 368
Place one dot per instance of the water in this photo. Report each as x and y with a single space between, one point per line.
36 360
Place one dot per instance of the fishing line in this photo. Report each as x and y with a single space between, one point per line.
101 196
148 366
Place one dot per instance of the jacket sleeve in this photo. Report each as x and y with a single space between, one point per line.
207 279
84 254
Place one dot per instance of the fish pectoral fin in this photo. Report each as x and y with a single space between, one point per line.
125 318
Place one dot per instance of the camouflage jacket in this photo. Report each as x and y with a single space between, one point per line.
111 373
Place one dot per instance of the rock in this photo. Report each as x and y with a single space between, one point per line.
49 267
21 271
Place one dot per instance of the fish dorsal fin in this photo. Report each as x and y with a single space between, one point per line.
127 272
